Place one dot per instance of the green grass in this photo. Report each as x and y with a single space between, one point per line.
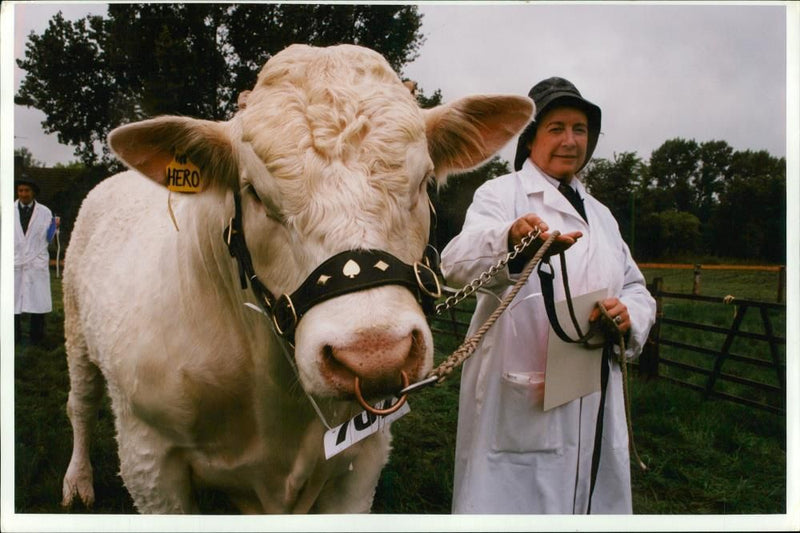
704 456
761 285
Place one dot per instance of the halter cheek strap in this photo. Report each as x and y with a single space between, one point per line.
237 247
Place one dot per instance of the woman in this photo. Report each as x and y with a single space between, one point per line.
512 456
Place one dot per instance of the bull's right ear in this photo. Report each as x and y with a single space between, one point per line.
465 133
152 145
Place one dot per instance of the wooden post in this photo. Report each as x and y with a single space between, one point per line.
696 285
781 283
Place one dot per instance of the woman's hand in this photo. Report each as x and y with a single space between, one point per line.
617 311
526 223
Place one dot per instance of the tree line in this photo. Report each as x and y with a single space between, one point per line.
689 200
696 200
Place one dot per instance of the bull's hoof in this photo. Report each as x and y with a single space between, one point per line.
80 485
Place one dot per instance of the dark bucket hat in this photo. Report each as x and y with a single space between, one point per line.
25 180
551 93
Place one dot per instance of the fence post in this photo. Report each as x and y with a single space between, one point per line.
649 358
696 284
781 283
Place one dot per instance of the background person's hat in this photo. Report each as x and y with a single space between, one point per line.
551 93
25 180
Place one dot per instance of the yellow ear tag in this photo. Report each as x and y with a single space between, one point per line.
183 175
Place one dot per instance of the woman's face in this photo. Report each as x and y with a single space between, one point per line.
559 146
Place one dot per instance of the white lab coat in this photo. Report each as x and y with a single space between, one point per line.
511 456
32 262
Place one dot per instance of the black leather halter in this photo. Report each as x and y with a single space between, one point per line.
345 272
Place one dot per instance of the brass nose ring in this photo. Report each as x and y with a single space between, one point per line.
381 412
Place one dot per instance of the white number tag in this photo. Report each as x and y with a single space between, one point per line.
359 427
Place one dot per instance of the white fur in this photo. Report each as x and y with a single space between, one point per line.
201 393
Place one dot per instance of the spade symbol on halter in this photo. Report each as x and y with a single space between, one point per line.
351 269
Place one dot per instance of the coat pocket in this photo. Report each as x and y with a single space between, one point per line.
522 426
522 335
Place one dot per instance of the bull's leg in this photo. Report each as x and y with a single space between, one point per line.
156 475
83 402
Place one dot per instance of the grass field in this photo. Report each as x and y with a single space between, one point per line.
704 456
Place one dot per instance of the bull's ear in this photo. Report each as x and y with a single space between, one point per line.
152 145
467 132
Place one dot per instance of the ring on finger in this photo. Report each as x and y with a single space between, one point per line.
618 319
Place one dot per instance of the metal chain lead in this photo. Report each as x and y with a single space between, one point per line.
487 275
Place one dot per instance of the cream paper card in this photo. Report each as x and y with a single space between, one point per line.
572 371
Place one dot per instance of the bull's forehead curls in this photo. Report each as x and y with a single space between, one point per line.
313 110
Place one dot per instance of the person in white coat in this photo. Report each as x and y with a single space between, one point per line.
511 455
34 227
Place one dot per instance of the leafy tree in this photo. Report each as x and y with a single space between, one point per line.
670 234
750 221
26 158
673 167
617 184
714 159
72 165
452 200
91 75
426 102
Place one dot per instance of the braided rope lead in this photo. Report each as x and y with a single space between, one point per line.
468 346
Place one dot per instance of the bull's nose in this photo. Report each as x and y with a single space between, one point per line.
377 357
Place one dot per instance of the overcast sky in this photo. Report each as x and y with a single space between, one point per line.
658 71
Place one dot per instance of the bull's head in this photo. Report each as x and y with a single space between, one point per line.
332 153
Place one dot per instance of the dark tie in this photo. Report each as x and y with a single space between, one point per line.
573 197
25 216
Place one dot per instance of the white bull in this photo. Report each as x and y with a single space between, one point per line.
331 153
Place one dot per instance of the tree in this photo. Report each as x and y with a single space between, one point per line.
714 159
93 74
750 221
617 184
670 234
453 199
426 102
673 167
26 158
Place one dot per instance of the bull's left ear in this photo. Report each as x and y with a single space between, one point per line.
152 145
467 132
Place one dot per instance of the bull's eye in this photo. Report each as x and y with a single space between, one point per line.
270 209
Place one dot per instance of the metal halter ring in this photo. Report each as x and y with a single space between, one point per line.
433 294
374 410
284 322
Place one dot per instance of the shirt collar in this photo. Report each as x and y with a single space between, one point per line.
530 168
